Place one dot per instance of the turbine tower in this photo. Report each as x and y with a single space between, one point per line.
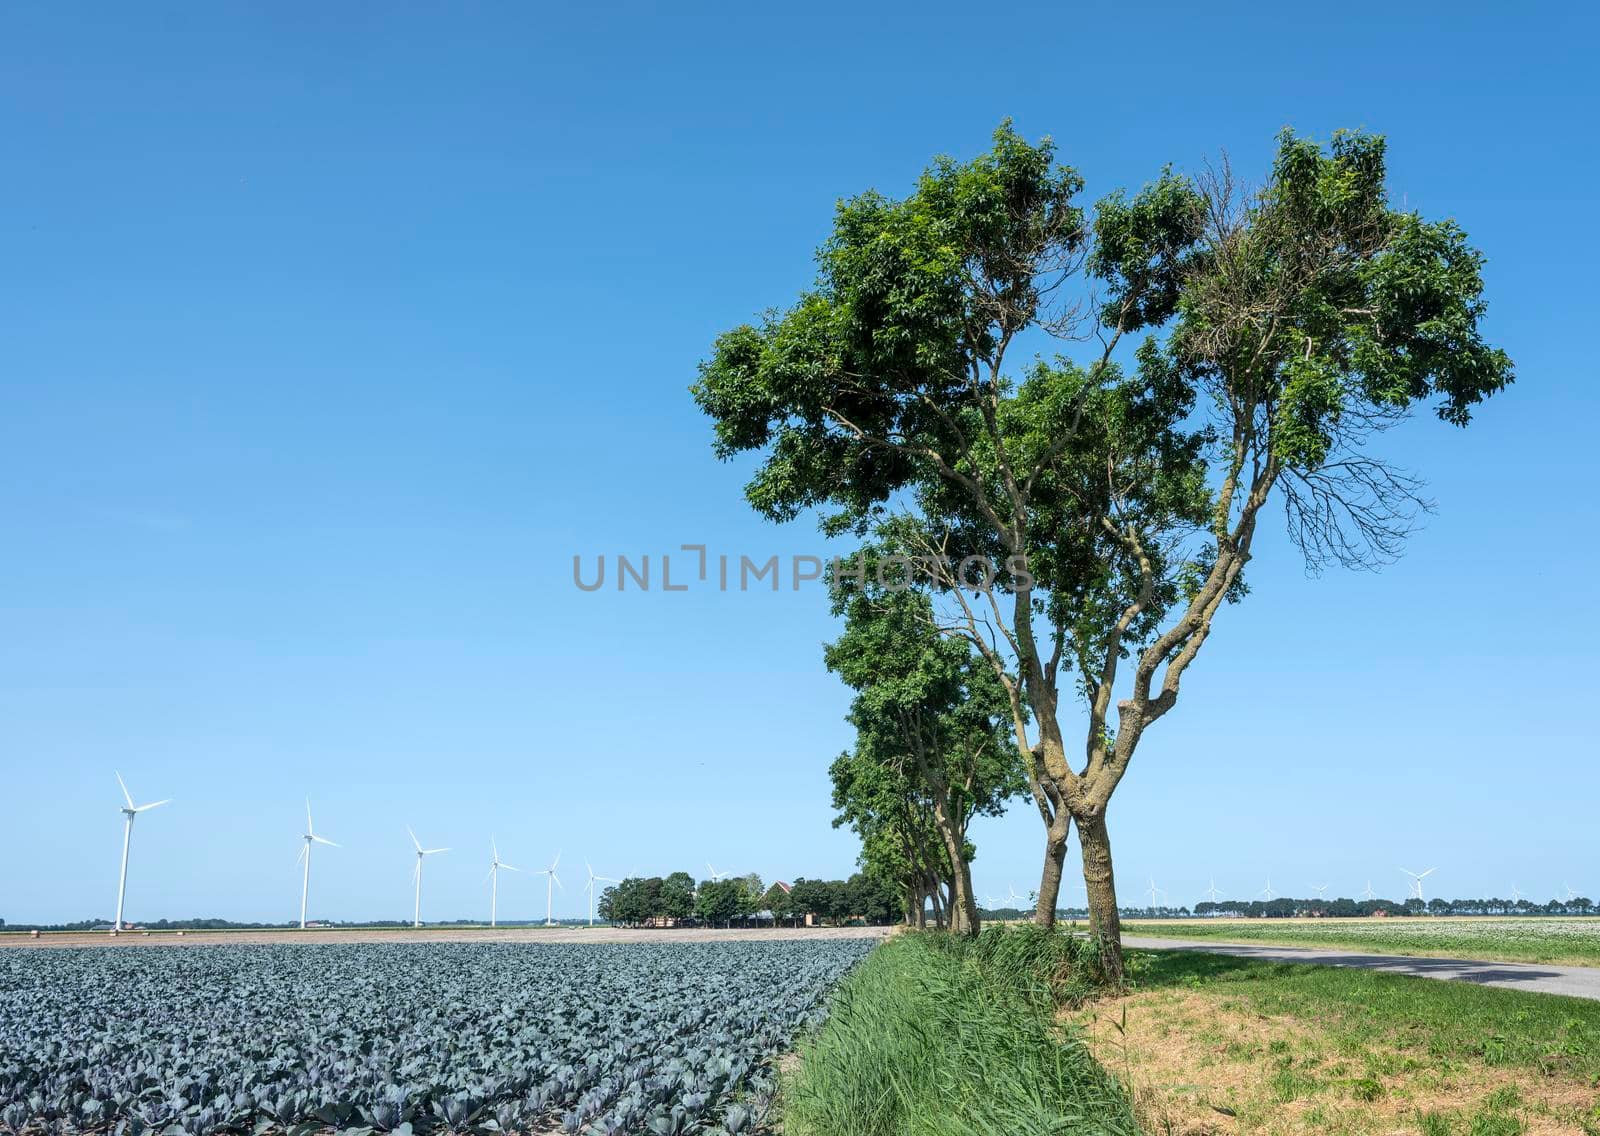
129 811
552 881
311 838
590 889
416 875
1416 881
495 865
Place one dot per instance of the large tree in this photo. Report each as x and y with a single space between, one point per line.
930 710
1283 329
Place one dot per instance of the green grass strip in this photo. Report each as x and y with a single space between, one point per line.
926 1038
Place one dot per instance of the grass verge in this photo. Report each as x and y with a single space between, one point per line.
1210 1044
932 1036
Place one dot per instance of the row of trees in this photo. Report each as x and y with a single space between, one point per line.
1121 490
744 900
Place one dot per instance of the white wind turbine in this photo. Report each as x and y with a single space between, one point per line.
590 889
1267 891
552 881
715 875
1212 892
1369 893
1570 896
1416 881
1321 890
1153 893
129 811
416 876
311 838
1516 894
1012 896
495 865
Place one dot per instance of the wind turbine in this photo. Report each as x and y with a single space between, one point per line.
1267 891
1416 881
130 811
715 875
1516 894
1154 891
416 875
1321 890
590 888
1012 896
495 864
552 881
305 856
1212 892
1369 893
1570 896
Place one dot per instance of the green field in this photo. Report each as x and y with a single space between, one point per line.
1526 939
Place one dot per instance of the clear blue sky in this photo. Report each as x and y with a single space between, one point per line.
329 334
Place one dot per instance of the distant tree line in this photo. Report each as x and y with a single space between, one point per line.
745 901
1285 907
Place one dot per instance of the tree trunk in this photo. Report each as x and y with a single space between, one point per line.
1055 855
938 908
963 904
1104 925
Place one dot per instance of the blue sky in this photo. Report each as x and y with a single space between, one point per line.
329 335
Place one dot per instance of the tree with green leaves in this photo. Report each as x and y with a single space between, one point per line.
930 710
720 901
888 810
1283 329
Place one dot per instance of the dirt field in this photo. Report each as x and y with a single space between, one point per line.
433 935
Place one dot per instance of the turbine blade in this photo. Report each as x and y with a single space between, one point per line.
431 851
324 840
509 868
126 796
556 861
152 805
309 826
414 839
557 879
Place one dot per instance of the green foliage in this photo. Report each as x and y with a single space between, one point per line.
406 1038
1054 967
933 724
928 1041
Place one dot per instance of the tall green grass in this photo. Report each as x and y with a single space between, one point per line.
935 1036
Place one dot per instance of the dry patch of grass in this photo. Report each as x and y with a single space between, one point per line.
1210 1061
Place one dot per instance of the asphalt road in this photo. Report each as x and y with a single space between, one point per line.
1573 981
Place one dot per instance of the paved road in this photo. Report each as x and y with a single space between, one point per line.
1573 981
